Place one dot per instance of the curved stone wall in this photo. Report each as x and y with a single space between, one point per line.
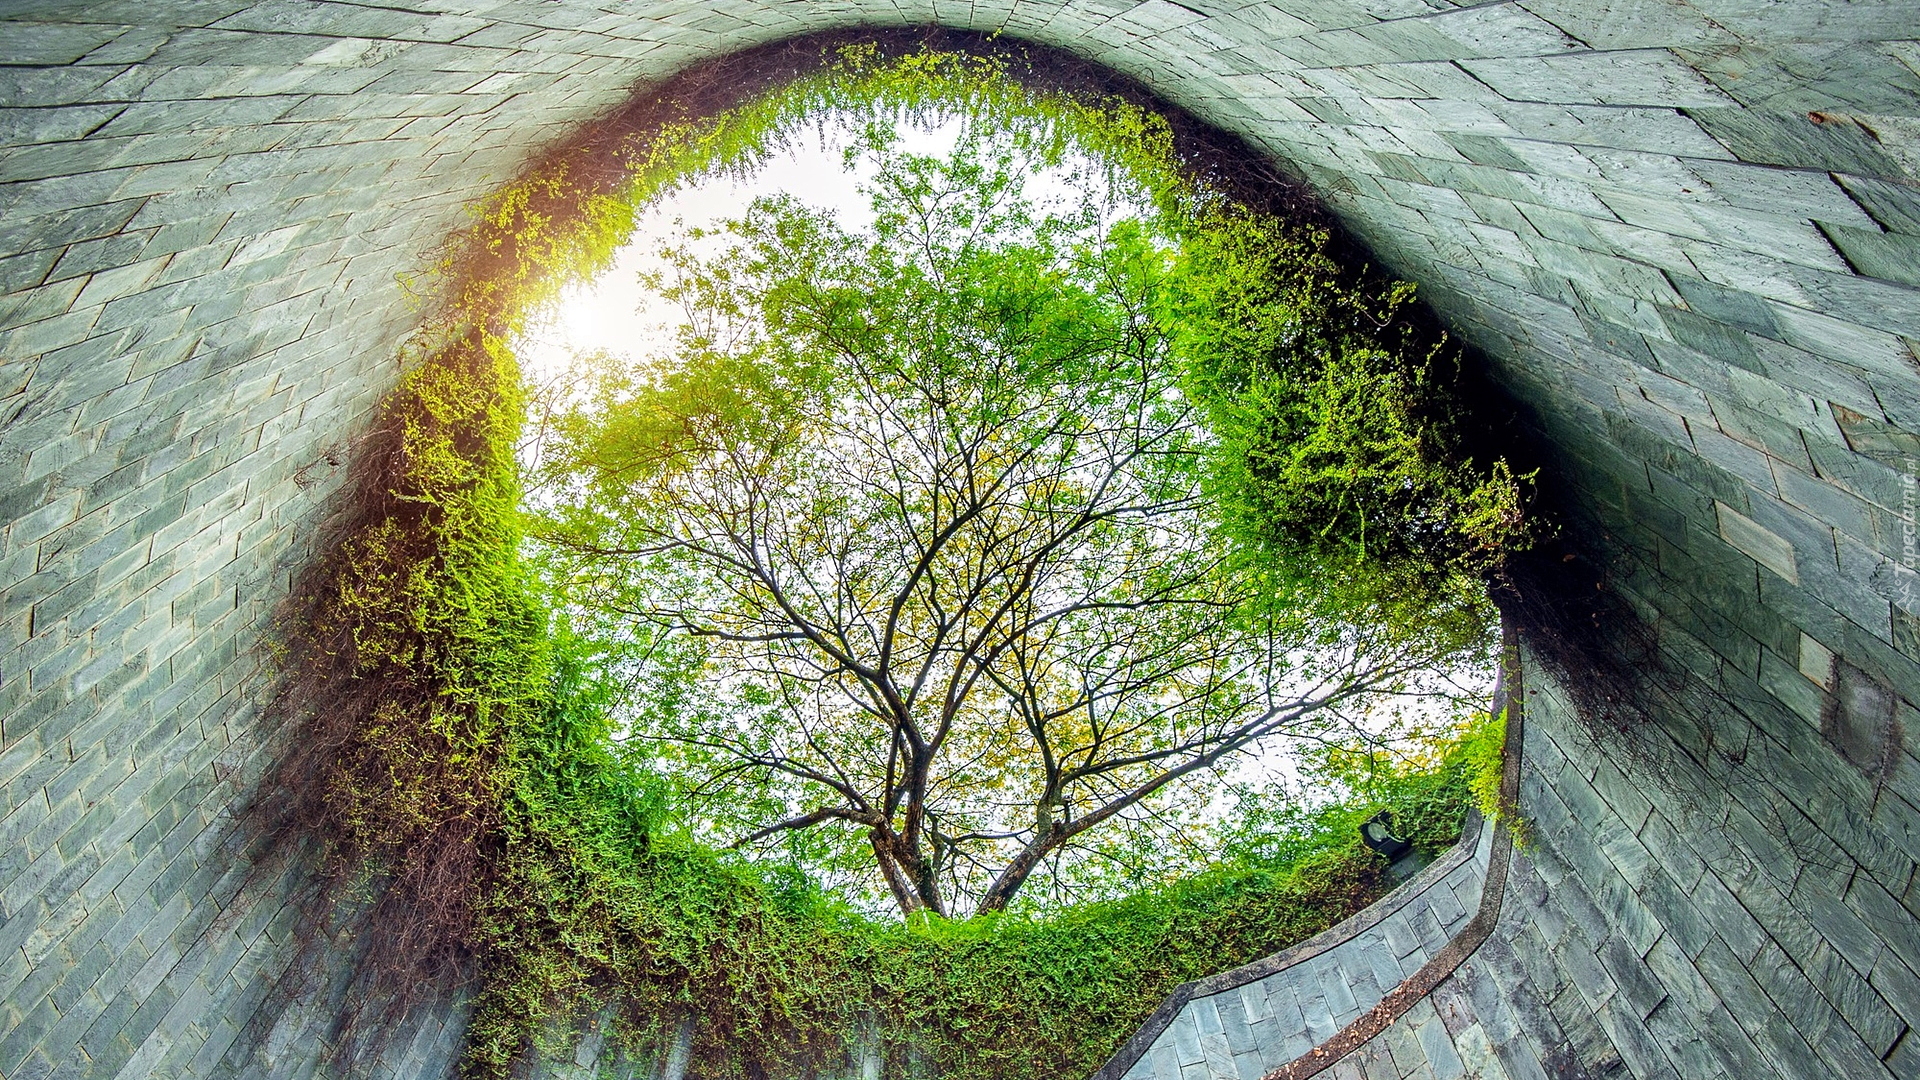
1686 236
1245 1023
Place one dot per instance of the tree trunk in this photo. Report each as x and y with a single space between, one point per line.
927 883
903 891
1015 875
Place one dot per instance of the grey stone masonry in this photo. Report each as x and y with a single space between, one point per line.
1242 1024
1638 937
1682 234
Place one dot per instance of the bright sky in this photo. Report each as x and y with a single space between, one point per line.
613 313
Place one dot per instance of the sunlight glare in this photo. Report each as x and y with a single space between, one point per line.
613 314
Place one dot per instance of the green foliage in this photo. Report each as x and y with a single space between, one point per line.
1341 423
776 973
429 601
928 503
594 905
1133 146
1425 792
462 745
417 647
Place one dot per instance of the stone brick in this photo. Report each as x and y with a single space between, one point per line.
1769 549
1894 206
1797 140
1634 77
1891 256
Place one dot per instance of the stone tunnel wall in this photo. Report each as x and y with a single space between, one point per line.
1244 1023
1686 236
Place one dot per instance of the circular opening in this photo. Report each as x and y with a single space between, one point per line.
906 496
1227 497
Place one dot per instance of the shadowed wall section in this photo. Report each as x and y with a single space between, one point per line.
1686 236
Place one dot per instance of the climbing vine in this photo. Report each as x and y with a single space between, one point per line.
454 749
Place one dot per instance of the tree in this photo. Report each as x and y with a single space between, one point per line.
914 528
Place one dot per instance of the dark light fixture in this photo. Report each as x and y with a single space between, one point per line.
1377 833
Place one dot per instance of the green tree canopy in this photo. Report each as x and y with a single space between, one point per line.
913 538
